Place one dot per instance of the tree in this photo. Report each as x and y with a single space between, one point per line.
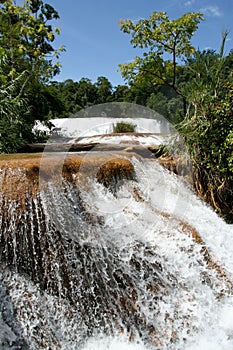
67 92
26 39
158 102
26 55
104 90
120 93
158 36
13 110
45 101
86 93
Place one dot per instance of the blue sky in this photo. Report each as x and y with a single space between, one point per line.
95 45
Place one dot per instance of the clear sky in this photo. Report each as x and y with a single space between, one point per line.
95 45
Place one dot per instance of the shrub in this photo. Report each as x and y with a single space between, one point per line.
122 127
210 142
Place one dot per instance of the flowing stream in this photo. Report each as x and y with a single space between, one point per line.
138 264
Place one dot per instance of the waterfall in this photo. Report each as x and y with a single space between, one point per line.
133 262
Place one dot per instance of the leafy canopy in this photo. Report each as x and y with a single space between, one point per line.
26 38
159 36
27 59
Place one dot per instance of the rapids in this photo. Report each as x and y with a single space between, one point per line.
135 263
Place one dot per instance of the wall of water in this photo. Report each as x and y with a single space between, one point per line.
144 265
72 127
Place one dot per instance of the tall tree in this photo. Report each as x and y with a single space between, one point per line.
158 36
86 93
26 54
26 39
104 90
120 93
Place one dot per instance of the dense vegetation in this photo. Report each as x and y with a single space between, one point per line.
196 95
28 61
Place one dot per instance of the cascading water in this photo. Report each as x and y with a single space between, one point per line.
138 262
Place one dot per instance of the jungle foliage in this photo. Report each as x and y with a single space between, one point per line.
208 129
28 61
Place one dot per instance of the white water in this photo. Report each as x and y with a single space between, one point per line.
90 126
137 240
212 320
152 140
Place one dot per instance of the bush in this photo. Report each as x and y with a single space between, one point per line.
209 138
123 127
